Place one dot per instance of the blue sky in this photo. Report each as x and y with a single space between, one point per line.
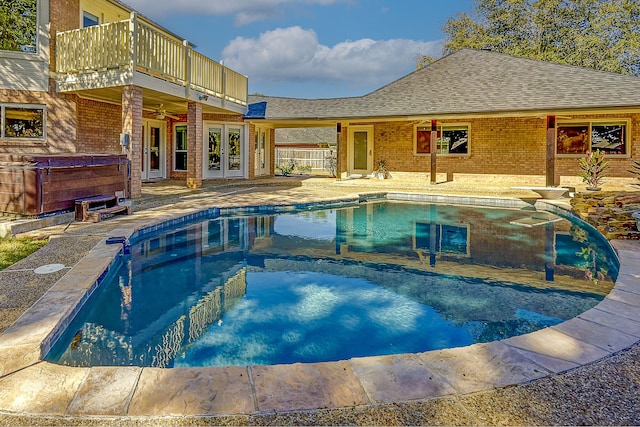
310 48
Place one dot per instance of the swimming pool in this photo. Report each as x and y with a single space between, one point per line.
330 284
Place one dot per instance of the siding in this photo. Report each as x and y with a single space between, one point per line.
23 74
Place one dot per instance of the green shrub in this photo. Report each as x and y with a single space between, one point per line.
288 167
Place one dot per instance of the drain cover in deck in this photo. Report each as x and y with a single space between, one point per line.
49 268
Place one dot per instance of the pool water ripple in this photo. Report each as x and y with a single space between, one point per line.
408 277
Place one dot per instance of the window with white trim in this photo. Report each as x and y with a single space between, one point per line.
180 148
89 20
610 137
26 122
453 139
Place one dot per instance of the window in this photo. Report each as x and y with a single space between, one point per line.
452 139
180 149
22 121
19 22
89 20
580 137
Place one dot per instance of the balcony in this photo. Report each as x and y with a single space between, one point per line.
95 59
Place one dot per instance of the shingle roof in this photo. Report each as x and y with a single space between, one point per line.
473 82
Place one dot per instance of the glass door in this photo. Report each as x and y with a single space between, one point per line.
153 149
213 145
234 152
224 151
360 150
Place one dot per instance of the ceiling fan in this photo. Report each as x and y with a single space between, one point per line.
161 113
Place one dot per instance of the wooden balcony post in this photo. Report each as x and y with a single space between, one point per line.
224 83
187 68
133 26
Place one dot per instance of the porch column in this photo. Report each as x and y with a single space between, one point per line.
195 149
132 125
551 153
433 148
341 150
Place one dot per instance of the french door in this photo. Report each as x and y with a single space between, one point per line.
154 137
225 151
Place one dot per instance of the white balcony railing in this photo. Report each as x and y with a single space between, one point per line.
134 45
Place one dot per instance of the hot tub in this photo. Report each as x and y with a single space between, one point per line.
40 184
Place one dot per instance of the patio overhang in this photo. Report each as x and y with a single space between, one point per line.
165 97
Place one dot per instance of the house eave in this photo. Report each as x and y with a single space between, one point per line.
449 115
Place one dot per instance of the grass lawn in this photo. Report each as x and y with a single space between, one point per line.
13 250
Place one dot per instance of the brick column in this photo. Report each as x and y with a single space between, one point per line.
195 148
132 125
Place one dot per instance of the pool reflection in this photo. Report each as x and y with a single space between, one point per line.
175 287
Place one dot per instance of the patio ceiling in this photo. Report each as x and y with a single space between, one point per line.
151 100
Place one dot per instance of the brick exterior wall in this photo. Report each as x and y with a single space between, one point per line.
272 152
99 127
64 15
498 146
61 122
132 124
194 145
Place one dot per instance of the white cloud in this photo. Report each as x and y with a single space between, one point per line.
243 11
295 54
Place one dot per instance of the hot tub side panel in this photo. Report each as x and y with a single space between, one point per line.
19 190
37 185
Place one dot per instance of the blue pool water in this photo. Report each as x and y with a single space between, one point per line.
330 284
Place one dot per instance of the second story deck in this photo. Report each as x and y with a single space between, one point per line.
99 58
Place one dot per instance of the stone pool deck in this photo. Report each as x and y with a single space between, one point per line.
583 371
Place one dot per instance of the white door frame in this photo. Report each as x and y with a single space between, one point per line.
353 168
148 151
225 163
262 151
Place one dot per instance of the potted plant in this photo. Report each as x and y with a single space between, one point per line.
382 170
593 168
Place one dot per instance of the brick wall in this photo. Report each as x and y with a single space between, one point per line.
222 118
500 145
64 15
272 152
497 146
131 123
60 122
195 145
99 127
